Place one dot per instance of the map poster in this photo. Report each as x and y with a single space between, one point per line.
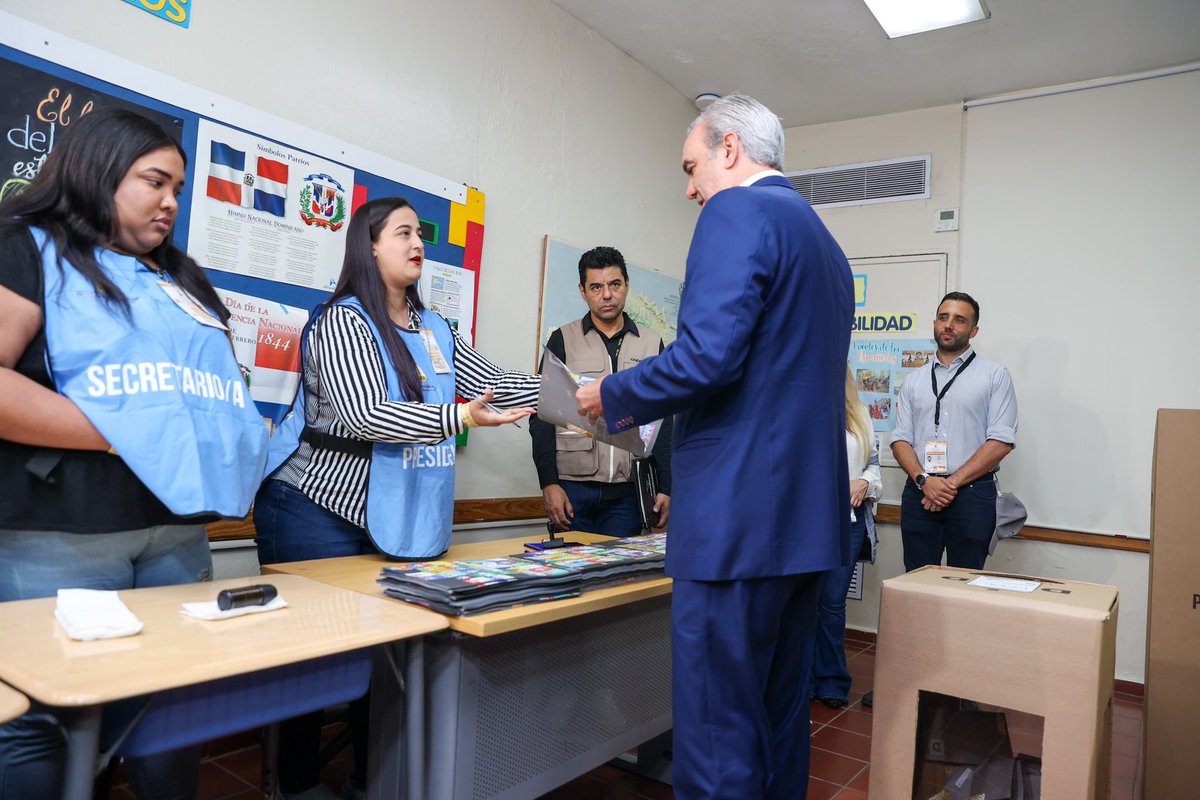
266 343
266 210
450 291
653 299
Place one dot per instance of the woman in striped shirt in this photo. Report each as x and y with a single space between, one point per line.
365 462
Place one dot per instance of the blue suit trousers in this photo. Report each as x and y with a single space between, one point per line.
741 652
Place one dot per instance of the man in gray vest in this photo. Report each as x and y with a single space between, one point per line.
588 485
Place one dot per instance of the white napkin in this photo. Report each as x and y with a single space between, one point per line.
87 614
210 610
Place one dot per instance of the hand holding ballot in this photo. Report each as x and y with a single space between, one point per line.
560 403
591 404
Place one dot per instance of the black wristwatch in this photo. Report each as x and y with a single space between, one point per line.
920 480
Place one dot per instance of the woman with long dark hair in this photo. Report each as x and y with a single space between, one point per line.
110 464
364 463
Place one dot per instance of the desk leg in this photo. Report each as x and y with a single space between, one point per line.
385 762
414 717
83 745
394 772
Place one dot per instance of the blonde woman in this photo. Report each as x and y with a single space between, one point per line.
830 680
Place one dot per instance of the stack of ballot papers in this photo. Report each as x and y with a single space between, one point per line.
607 563
474 587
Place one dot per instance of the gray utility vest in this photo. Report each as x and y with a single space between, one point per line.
581 458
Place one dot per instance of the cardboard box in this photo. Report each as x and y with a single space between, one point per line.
1025 733
1050 652
1172 706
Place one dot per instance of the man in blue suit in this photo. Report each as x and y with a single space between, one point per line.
761 506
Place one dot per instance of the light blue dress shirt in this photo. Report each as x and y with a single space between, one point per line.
981 405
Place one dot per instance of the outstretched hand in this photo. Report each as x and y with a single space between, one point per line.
487 415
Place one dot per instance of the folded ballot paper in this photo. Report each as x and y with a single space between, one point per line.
87 614
557 405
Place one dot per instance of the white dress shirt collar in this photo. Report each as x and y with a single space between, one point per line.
758 176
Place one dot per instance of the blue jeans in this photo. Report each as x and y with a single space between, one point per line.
830 677
291 527
593 514
962 529
38 564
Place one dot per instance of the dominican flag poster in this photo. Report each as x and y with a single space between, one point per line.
264 209
229 180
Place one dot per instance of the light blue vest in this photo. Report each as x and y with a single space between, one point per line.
410 487
164 389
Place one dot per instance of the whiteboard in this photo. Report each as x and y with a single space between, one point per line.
1081 241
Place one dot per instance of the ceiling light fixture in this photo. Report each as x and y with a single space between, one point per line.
906 17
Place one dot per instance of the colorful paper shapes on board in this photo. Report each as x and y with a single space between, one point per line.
860 290
473 249
463 213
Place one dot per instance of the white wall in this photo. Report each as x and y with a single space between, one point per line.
907 227
563 132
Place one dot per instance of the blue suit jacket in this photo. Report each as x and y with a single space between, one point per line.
757 378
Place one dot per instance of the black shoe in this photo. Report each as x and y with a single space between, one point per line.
869 699
832 702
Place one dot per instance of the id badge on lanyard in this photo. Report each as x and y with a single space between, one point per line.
180 297
937 448
440 365
935 455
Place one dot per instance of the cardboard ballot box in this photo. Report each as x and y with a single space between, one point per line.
1172 713
1033 645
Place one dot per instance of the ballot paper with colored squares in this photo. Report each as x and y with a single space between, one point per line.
557 405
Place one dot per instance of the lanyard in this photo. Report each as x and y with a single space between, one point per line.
937 408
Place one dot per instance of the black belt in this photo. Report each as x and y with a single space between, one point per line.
341 444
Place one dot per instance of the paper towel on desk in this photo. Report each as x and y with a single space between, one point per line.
87 614
210 610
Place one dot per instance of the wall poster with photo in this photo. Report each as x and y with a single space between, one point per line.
895 299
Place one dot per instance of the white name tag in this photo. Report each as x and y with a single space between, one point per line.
191 305
935 456
440 365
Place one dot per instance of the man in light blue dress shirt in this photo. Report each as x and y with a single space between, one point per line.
956 420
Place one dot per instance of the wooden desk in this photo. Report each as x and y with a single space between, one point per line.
520 701
12 704
361 574
174 650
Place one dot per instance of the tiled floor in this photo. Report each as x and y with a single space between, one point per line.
841 741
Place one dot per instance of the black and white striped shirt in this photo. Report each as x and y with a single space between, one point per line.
347 396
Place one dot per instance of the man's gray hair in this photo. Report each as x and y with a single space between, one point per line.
756 126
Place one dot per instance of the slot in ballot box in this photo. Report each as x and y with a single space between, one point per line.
1045 648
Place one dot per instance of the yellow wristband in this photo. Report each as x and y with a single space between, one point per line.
112 451
464 414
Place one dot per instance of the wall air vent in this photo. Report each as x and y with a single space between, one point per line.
863 184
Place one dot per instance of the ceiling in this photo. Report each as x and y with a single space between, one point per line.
817 61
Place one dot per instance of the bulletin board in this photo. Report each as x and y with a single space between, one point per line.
267 201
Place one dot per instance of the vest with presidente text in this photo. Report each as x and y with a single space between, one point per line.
581 458
410 487
164 389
